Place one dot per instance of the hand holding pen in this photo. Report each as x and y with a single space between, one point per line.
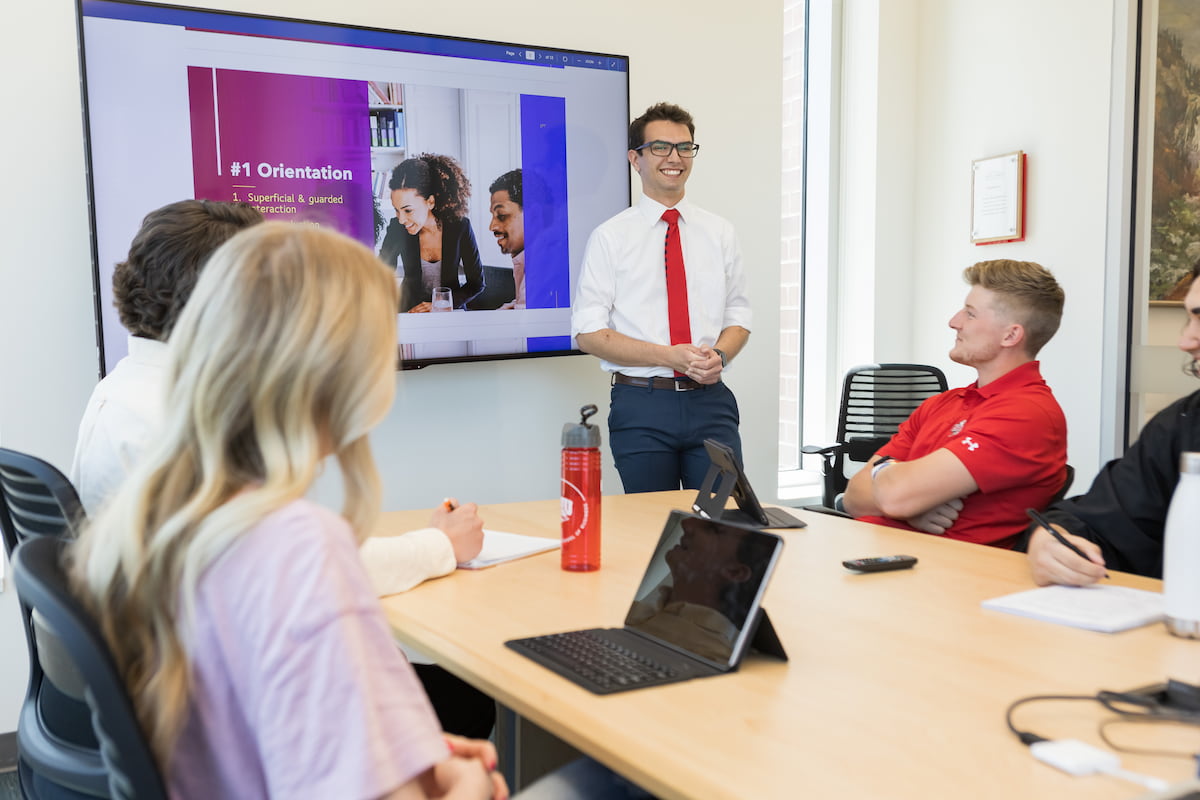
1078 565
462 526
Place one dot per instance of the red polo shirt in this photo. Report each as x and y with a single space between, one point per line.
1010 435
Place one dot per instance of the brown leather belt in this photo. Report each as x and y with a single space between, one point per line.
674 384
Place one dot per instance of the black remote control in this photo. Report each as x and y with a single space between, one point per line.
879 564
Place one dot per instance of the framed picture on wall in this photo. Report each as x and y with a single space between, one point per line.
1175 185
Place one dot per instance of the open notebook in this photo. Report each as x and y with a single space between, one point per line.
695 614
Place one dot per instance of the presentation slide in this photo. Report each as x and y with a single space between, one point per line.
319 124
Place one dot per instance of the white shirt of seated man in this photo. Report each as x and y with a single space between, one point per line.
125 409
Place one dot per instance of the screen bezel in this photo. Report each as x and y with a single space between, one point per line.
402 364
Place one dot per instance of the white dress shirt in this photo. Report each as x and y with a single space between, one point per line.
125 410
623 285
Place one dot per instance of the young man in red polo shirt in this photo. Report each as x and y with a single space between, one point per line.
969 461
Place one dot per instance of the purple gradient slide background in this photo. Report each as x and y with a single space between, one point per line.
295 120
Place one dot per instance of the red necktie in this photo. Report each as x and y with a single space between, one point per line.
677 300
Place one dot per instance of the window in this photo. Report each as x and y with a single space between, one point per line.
806 249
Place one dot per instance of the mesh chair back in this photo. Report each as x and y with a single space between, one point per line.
65 628
876 399
35 500
55 740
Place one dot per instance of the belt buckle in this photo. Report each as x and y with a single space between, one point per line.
681 385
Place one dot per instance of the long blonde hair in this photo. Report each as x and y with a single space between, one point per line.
285 351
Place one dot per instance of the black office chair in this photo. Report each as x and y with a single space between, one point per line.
876 398
58 754
1066 487
35 500
76 659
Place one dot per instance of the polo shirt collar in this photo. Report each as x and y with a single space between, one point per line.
1024 375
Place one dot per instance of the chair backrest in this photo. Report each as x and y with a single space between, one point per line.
55 740
72 640
35 500
876 399
1066 487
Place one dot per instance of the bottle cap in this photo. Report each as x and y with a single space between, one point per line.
581 434
1189 463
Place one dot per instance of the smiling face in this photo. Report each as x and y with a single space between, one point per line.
663 177
508 223
412 210
1189 340
981 325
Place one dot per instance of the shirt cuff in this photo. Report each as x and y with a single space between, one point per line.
585 321
398 563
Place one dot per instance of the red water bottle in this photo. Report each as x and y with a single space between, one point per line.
581 494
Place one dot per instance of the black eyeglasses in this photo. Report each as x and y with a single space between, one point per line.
661 148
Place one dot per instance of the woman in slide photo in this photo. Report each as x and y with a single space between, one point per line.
431 238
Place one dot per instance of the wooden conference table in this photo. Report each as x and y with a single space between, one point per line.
896 686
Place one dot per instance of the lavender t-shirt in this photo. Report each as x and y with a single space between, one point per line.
298 689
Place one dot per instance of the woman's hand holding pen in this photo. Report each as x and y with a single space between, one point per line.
462 526
1052 562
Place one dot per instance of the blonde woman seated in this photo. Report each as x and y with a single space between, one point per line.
239 613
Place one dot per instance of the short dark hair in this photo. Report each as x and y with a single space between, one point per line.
153 284
437 176
659 112
1028 290
509 182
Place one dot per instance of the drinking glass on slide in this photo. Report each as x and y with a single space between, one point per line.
441 299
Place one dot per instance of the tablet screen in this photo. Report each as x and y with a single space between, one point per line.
703 586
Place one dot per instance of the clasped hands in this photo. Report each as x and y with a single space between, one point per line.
702 364
470 771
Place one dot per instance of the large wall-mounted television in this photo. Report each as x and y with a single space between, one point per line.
310 122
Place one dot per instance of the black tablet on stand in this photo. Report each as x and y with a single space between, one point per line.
725 478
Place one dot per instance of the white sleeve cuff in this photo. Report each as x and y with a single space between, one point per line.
398 563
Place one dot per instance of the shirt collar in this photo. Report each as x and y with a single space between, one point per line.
148 351
653 210
1024 375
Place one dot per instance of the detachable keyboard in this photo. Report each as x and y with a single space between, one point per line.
607 660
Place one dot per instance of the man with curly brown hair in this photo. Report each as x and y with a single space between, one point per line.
150 288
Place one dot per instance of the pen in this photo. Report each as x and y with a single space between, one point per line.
450 505
1045 523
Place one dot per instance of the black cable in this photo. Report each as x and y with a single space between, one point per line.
1143 751
1028 737
1129 708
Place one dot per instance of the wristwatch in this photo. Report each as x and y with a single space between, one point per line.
724 360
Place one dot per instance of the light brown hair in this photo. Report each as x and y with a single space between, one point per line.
1028 292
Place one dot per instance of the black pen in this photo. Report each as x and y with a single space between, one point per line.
1045 523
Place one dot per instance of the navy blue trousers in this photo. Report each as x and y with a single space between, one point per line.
657 435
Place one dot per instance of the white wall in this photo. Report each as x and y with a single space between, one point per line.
486 432
986 78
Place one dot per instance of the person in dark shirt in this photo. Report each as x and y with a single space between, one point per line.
1118 524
